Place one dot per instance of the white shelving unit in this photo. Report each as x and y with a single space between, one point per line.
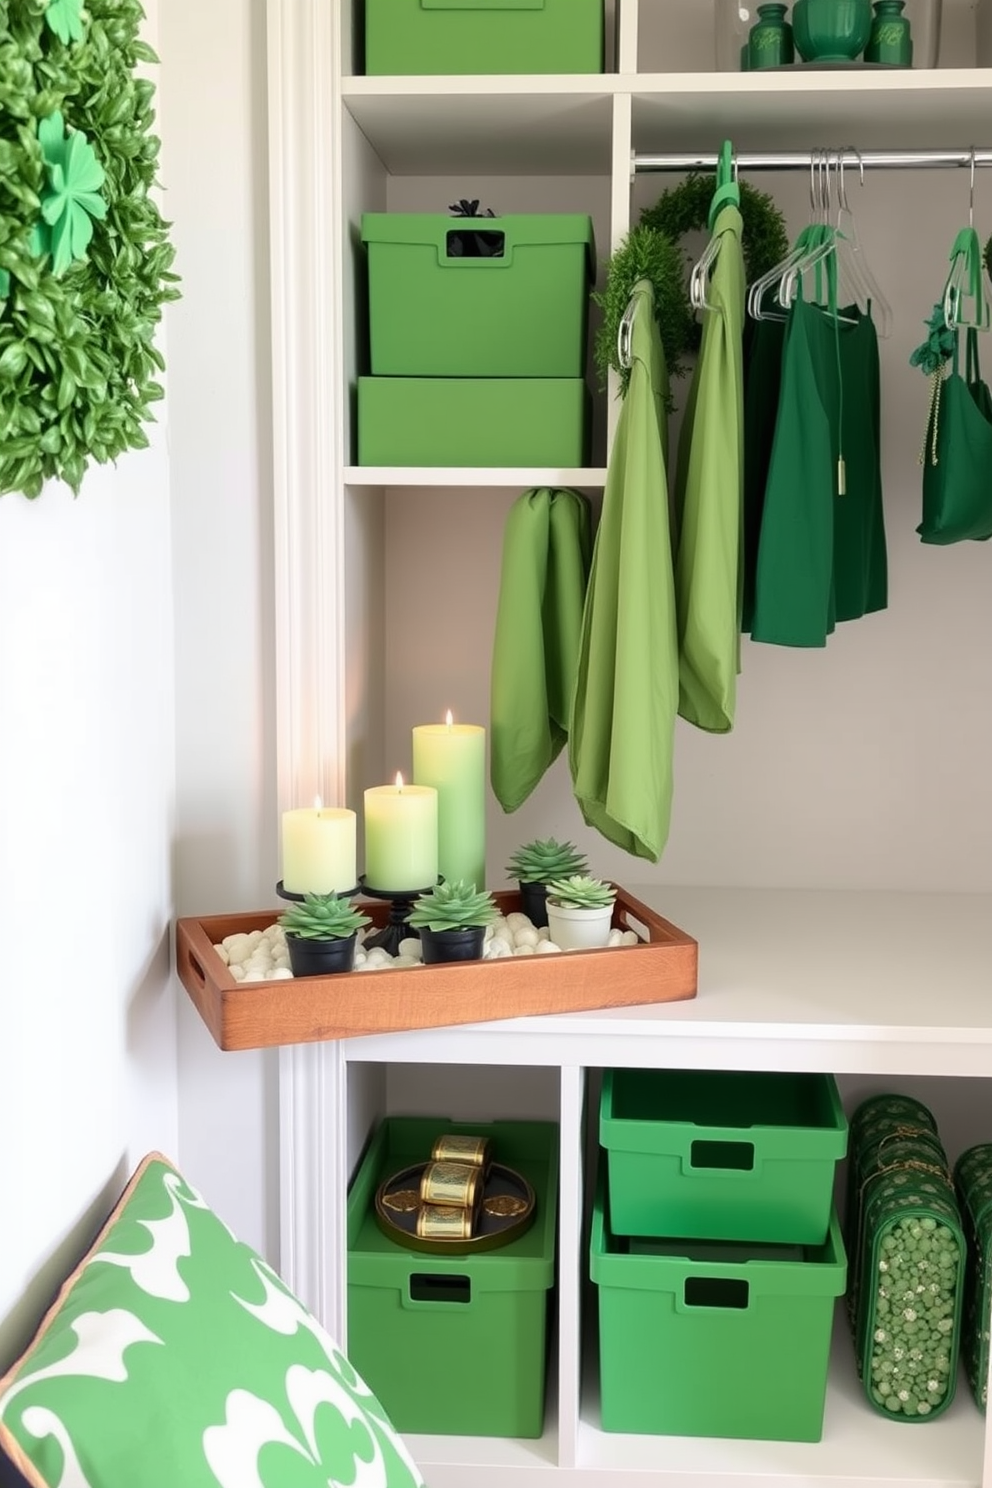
875 988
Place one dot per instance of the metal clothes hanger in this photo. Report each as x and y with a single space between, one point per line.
867 292
758 305
727 193
967 283
825 248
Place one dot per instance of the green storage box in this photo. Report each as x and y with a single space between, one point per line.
473 421
722 1155
434 313
454 1345
714 1339
483 36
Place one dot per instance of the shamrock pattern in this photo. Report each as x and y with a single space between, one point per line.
177 1355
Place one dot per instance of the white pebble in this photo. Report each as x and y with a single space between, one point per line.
526 936
525 950
411 948
630 937
237 945
497 948
280 962
405 961
546 946
499 923
360 959
237 972
254 976
505 934
222 953
517 920
377 957
615 937
281 974
254 936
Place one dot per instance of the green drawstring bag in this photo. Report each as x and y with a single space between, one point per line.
957 456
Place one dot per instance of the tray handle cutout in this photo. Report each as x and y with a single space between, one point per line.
196 969
737 1157
433 1287
727 1292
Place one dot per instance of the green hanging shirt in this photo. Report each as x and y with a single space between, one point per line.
626 696
822 554
708 499
546 555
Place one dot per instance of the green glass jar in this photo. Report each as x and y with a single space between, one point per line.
891 41
770 41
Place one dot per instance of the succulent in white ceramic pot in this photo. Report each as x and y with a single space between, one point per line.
580 912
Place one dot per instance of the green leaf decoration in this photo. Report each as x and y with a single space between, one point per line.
4 284
72 199
938 348
77 333
65 18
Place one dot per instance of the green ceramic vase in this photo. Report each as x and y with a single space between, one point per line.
831 30
890 43
770 41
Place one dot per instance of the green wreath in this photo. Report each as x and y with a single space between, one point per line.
651 251
85 260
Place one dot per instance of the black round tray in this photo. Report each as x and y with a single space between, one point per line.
397 1202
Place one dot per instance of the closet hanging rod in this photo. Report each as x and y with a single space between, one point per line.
804 160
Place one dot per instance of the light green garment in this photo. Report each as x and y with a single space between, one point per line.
709 493
623 720
546 552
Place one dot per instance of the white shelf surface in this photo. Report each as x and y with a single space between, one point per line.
884 983
487 125
543 125
859 1449
801 109
487 478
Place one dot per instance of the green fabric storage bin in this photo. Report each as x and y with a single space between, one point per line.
454 1345
722 1155
473 421
483 36
435 314
714 1339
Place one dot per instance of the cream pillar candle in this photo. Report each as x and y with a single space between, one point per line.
318 850
400 836
452 758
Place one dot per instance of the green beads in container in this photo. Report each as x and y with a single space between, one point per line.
973 1181
908 1264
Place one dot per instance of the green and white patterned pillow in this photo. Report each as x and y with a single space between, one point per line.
175 1357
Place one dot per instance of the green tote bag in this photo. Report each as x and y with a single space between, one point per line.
957 459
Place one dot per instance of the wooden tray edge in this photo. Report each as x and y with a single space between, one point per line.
268 1014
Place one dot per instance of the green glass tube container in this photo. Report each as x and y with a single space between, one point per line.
770 42
891 41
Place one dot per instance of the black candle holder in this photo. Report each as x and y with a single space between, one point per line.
400 904
285 893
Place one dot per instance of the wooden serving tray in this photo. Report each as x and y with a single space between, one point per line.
259 1015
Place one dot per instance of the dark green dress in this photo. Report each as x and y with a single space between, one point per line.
821 551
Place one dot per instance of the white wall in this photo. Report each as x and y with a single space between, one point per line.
214 168
87 1005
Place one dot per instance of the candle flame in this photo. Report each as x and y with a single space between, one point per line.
449 720
317 803
399 781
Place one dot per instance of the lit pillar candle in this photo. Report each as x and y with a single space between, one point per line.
400 836
452 758
318 850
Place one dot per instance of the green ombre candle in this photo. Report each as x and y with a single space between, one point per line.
451 757
400 837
